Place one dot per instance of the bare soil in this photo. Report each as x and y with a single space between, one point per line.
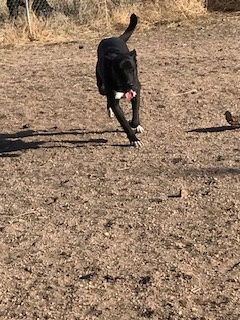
94 229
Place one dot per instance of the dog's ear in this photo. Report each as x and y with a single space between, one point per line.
110 56
133 53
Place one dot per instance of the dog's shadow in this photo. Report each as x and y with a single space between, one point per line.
12 144
214 129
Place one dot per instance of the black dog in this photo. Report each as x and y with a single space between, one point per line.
117 78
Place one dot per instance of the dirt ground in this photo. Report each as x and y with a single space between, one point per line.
93 229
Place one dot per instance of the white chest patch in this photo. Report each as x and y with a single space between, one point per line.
128 95
118 95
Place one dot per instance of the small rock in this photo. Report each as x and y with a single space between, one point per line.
51 200
145 280
28 269
176 160
26 126
184 193
220 158
88 276
148 313
107 234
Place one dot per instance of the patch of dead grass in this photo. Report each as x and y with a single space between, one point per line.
76 17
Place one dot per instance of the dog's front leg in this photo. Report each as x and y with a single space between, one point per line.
114 105
135 122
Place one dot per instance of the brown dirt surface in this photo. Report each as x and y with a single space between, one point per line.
93 229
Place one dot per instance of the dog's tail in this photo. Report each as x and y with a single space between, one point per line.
132 25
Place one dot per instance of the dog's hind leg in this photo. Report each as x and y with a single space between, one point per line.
135 123
117 110
100 84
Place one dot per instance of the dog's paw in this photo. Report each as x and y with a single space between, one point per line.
136 144
138 129
110 113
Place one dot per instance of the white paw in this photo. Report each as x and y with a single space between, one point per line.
138 129
136 144
110 113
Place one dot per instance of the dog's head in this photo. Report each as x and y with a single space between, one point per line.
123 70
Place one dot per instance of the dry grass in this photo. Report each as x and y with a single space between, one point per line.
154 12
56 29
75 17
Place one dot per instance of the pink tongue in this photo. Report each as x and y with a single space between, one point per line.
129 95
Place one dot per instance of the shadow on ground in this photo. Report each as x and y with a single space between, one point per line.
214 129
10 143
215 171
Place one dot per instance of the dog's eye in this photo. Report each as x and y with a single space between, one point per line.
127 65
